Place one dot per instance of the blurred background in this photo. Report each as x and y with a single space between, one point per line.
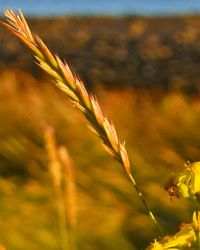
142 60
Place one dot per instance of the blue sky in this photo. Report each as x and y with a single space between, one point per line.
56 7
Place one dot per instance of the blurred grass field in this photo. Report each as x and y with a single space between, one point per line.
161 131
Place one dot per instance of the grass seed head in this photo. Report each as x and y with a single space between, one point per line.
69 83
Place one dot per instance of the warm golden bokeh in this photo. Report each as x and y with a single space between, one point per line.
161 133
161 130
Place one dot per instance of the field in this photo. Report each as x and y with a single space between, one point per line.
159 124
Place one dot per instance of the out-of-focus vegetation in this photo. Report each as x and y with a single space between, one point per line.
160 52
161 132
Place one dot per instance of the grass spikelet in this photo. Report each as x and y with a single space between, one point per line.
55 169
70 184
54 165
63 76
69 194
68 82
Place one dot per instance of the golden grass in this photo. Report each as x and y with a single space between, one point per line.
159 144
74 88
60 169
70 84
160 147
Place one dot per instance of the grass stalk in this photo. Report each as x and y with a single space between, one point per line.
151 215
74 88
55 170
69 195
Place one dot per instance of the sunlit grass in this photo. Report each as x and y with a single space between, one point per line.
161 133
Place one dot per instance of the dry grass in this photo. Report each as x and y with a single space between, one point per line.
60 169
158 144
155 141
74 88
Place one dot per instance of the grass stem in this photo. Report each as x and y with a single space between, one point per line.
140 195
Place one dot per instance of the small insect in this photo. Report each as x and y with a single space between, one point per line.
172 188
